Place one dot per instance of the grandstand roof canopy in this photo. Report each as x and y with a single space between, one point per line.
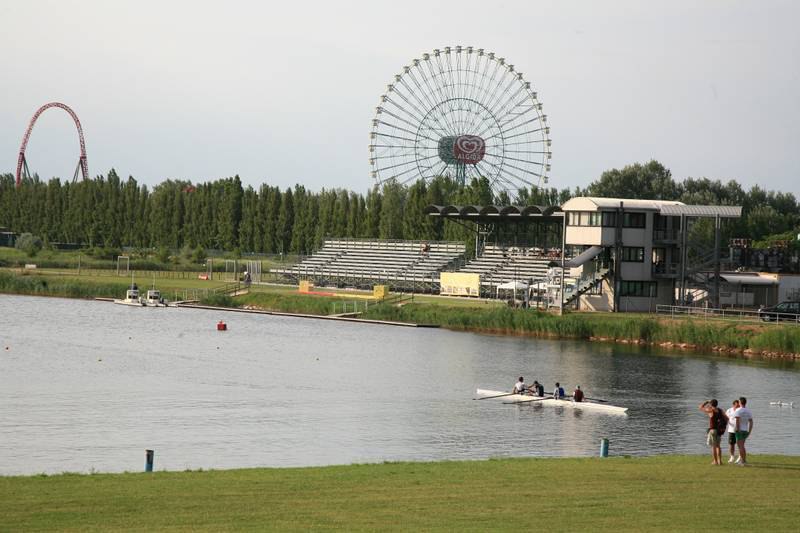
497 213
722 211
592 203
663 207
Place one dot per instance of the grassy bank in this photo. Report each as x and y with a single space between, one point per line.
44 283
704 335
64 287
618 494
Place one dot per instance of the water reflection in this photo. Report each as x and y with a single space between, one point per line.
91 385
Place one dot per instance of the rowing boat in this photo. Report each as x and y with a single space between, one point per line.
550 401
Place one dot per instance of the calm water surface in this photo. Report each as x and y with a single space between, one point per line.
89 386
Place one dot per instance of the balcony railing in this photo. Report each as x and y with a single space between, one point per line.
666 234
666 269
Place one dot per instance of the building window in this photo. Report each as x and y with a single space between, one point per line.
633 220
633 254
584 218
646 289
609 219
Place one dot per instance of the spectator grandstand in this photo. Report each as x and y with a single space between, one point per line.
362 263
501 264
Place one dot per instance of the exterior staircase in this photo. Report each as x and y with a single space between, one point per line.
586 283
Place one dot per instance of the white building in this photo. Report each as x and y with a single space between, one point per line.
627 254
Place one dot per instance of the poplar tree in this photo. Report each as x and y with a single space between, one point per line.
391 214
285 220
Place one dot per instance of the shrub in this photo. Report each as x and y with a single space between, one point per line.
199 256
108 253
162 254
28 243
219 300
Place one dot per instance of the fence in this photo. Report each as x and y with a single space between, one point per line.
186 295
345 308
738 315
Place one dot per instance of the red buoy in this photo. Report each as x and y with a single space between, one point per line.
222 326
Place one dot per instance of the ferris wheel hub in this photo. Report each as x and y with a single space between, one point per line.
462 149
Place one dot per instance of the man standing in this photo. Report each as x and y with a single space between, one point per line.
732 430
744 427
716 425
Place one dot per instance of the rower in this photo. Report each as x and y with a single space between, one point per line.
577 394
519 386
537 388
558 391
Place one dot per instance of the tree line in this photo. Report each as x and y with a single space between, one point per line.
224 214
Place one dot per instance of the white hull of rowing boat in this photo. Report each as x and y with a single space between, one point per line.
550 401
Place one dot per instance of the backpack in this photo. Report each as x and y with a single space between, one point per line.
721 421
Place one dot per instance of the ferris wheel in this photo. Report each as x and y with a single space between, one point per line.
465 113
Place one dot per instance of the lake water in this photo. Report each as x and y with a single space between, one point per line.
89 386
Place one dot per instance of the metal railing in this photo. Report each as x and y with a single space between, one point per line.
666 234
740 315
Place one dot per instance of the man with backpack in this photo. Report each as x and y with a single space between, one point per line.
717 420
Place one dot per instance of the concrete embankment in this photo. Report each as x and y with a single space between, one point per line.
341 318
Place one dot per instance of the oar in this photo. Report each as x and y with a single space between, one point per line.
536 399
496 396
595 399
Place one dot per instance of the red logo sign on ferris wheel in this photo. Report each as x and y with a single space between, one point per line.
469 149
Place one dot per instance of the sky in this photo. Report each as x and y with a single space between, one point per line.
285 92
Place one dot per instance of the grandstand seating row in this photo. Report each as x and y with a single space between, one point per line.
365 261
416 264
501 264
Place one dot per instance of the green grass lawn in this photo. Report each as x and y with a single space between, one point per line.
668 493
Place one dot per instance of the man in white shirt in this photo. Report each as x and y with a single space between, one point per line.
744 427
520 387
732 429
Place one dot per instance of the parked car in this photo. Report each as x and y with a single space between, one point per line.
784 311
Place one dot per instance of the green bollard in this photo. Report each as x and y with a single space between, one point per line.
148 460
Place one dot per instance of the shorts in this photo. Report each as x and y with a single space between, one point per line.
732 437
741 436
712 438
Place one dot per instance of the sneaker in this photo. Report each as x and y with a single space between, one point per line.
732 459
739 461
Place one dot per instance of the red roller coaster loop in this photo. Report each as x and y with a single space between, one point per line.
22 164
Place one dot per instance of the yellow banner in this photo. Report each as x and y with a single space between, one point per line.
379 292
460 284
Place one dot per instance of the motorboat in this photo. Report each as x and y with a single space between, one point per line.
131 297
153 299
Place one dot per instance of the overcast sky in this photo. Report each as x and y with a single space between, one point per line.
284 92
